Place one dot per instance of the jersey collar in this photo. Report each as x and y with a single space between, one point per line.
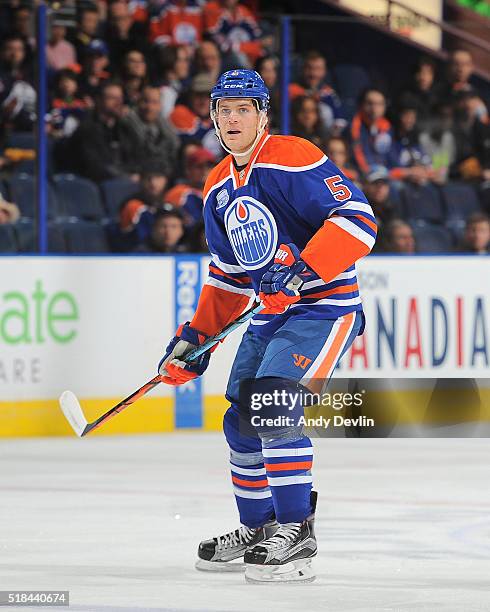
241 178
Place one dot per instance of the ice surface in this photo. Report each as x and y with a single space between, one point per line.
402 524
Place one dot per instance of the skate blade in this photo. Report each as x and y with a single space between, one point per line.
294 572
219 566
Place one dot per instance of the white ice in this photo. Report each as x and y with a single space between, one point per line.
402 524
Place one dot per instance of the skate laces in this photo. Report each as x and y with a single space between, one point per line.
286 533
243 535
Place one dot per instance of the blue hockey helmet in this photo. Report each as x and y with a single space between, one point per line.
241 83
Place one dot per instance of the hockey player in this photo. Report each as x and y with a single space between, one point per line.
270 192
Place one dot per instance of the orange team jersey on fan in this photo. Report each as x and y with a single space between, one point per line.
290 192
188 199
235 30
188 124
177 25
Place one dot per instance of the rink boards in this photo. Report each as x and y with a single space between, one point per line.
98 326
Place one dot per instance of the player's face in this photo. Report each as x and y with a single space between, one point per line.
238 121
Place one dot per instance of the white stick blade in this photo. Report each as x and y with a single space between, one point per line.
73 411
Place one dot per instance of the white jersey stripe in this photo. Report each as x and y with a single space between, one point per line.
214 282
354 230
293 168
360 206
330 302
231 268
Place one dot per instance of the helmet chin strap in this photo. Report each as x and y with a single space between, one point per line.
260 131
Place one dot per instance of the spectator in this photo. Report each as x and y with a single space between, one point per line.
437 140
104 145
123 34
423 92
407 150
459 71
180 23
306 121
376 187
208 60
268 67
137 212
338 151
234 29
174 67
95 71
313 83
470 112
17 96
167 234
59 52
9 212
23 26
86 32
157 140
187 196
373 140
134 76
192 120
67 107
397 237
477 235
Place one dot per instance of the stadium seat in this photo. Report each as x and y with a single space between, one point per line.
26 236
56 239
78 197
350 81
460 201
115 191
432 238
8 243
21 140
22 189
85 237
422 203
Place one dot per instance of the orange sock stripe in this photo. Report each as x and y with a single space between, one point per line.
254 484
298 465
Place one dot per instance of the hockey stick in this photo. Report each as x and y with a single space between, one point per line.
73 412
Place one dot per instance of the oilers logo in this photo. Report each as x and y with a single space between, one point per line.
252 231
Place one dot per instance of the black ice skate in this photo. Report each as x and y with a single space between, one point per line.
286 555
221 554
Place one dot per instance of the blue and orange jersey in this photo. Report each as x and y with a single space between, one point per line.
187 124
374 145
188 199
331 109
290 192
233 30
178 24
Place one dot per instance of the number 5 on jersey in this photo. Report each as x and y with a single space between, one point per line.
340 192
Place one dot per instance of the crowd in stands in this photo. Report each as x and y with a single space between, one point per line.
128 122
